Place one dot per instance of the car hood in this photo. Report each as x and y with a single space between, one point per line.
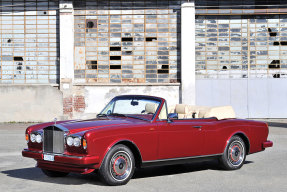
79 126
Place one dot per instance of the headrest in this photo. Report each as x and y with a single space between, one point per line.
181 109
150 107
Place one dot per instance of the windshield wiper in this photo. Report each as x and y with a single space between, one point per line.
111 114
102 115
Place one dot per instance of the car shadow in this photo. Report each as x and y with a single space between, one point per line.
36 174
179 169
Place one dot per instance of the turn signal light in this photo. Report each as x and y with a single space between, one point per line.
85 145
27 138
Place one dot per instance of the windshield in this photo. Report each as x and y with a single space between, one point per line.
132 106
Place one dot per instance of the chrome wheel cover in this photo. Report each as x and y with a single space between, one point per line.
120 166
236 153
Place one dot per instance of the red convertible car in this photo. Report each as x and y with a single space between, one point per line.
138 131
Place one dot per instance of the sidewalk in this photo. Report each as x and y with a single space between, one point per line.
275 122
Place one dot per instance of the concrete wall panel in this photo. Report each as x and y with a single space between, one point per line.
218 92
221 92
30 103
258 104
277 91
253 98
204 92
239 97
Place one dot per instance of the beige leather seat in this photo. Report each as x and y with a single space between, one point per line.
190 111
183 111
202 110
150 108
171 109
197 110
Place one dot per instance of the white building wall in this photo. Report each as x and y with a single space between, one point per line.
66 40
97 97
253 98
188 52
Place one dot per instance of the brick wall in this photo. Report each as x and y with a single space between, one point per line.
79 104
73 104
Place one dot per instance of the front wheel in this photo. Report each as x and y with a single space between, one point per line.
118 166
234 154
50 173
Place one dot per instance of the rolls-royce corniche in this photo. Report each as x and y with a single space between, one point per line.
135 131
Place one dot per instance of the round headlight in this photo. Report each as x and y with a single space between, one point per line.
70 141
77 142
38 138
33 137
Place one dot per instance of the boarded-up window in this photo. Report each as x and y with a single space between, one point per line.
133 41
242 39
29 42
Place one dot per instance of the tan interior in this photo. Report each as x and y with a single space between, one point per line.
150 108
183 111
188 111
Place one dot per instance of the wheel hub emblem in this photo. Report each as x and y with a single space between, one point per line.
236 153
121 166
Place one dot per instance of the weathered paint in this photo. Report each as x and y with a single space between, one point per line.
29 42
148 41
80 58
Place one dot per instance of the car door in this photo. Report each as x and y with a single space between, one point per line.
180 138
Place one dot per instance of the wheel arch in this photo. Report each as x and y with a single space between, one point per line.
244 137
132 146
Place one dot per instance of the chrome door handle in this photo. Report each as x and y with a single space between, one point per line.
197 126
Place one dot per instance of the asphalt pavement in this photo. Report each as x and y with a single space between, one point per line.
264 171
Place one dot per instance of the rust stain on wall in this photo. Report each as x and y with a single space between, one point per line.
80 58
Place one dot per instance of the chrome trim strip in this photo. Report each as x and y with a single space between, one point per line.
62 127
63 155
27 150
55 154
182 158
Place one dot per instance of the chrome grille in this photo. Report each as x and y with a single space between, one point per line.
53 140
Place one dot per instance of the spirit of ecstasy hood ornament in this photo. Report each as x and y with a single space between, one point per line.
55 120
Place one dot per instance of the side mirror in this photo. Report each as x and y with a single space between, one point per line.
172 116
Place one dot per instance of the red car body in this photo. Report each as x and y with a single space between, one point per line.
152 142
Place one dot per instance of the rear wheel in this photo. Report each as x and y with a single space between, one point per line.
234 154
118 166
50 173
